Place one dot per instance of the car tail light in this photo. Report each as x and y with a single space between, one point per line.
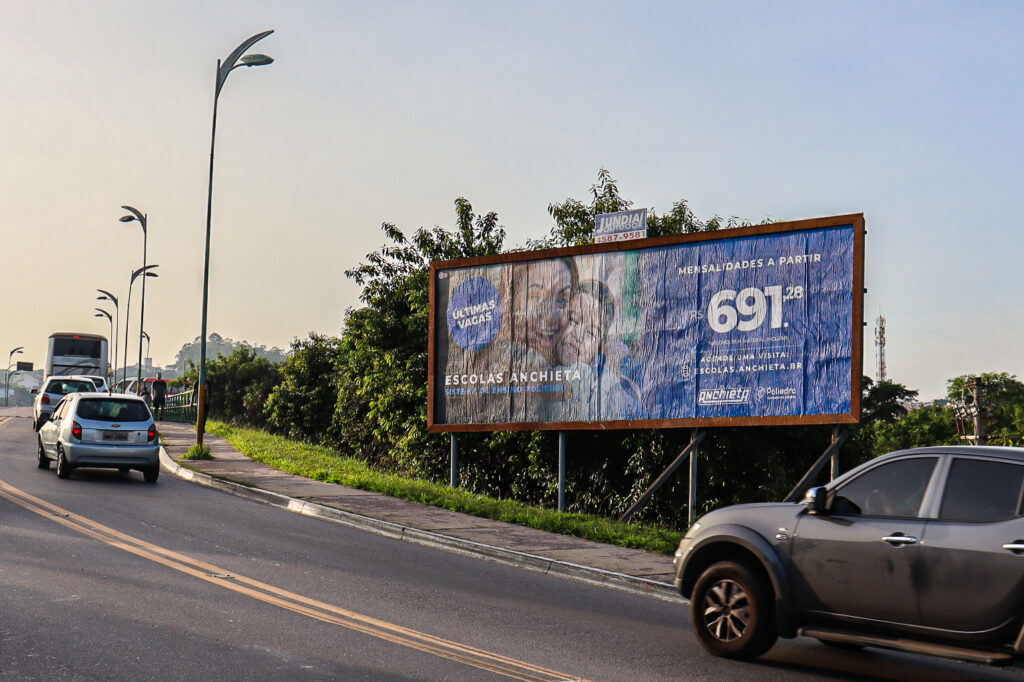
152 433
76 430
45 400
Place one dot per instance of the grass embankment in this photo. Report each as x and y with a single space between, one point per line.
324 464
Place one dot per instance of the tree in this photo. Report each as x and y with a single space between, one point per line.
217 345
239 386
302 405
575 221
1002 404
382 383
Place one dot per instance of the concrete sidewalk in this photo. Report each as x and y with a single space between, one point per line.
231 471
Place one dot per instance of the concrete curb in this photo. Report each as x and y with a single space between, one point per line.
531 562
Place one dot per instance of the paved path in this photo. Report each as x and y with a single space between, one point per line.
619 567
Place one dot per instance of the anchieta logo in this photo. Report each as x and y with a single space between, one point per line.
723 396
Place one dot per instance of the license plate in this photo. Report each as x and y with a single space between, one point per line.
115 436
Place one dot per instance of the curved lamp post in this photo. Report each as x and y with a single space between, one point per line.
128 311
103 313
146 336
7 374
135 214
107 296
223 69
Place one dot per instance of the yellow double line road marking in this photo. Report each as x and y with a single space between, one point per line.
328 613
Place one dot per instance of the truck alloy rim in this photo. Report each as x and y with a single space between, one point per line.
726 610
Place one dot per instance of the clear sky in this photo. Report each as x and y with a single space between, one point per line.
909 112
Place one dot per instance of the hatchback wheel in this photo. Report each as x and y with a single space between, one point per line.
731 609
150 474
63 465
43 461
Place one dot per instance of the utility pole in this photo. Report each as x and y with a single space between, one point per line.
979 420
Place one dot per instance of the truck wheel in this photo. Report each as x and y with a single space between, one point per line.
731 608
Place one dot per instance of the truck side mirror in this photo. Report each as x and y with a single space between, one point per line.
816 500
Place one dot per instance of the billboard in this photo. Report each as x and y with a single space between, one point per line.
751 326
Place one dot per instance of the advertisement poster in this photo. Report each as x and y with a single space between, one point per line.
755 326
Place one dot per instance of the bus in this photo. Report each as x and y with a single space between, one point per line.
72 353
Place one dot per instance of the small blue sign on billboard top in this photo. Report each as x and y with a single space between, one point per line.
617 227
760 325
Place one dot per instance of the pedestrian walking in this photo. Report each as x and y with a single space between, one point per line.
159 389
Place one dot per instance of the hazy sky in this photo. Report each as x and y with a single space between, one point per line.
909 112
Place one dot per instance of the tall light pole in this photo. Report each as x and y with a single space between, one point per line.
135 214
223 69
7 374
103 313
128 311
107 296
148 356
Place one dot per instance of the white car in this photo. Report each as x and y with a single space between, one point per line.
101 383
55 388
100 430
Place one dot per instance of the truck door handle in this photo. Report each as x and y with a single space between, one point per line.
1016 547
899 540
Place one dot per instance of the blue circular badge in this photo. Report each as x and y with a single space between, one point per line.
474 313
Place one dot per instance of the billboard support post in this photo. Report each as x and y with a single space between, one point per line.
835 455
691 503
839 436
691 450
561 471
454 478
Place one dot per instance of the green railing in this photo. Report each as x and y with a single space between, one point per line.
181 407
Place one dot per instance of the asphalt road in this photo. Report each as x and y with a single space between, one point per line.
105 577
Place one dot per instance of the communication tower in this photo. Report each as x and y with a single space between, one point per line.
880 371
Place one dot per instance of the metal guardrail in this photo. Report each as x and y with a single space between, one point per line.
181 407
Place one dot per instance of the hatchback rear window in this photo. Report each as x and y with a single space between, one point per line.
113 410
70 386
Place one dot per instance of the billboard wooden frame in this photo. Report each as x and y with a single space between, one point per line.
856 330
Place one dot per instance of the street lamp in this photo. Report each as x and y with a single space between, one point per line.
223 69
103 313
135 214
107 296
148 356
128 311
7 374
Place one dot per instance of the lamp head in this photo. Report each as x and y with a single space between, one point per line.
257 59
127 218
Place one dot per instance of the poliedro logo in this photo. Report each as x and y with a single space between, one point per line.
723 396
474 313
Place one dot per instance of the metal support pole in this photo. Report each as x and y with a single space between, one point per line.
561 471
979 419
454 478
835 455
695 438
838 441
201 414
142 312
691 505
